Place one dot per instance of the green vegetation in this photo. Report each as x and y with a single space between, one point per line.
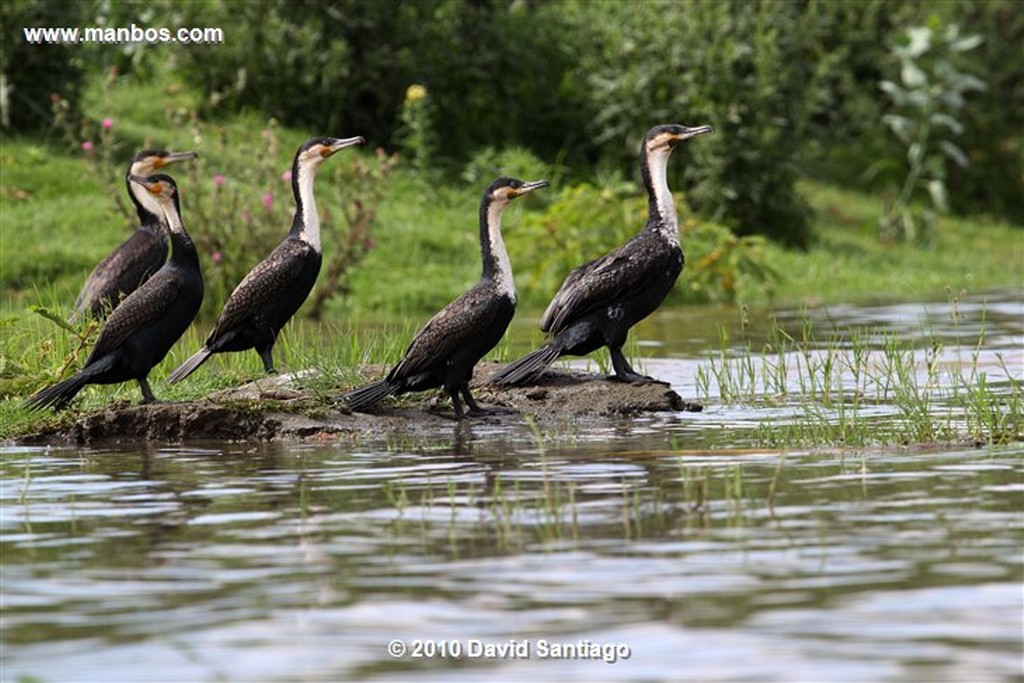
777 207
792 88
854 390
928 101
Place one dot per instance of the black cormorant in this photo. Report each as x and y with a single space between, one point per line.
270 294
144 326
601 300
445 351
142 254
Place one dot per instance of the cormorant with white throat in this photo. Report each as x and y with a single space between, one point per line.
601 300
136 259
144 326
271 293
445 351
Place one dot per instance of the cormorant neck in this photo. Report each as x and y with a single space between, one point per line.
151 216
183 251
661 208
497 266
306 224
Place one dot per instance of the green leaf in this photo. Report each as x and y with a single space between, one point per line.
52 317
937 190
966 44
915 153
954 153
943 119
920 40
952 99
901 126
912 75
895 92
973 83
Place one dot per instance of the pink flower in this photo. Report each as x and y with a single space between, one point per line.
217 257
108 124
268 201
87 146
287 176
245 216
219 180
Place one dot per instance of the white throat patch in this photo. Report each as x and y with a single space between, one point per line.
503 277
657 166
310 233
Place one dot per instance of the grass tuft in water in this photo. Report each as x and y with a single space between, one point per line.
864 386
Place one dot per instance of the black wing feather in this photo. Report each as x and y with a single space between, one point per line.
144 306
262 285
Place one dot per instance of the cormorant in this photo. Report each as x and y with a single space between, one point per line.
142 254
144 326
445 351
601 300
270 294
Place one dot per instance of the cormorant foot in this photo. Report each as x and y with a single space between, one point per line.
489 412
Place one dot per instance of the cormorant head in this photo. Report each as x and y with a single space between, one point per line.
160 186
150 161
504 190
314 151
664 138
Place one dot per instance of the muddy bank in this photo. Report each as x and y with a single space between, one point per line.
280 408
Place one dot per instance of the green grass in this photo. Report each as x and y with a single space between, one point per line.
58 219
849 263
850 391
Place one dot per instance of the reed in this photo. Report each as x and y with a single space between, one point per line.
865 386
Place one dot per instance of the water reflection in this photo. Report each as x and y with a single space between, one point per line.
301 563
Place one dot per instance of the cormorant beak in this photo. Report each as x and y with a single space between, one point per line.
526 188
691 133
338 144
151 186
173 158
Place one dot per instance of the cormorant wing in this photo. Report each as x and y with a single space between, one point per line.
452 328
596 284
144 306
125 267
262 285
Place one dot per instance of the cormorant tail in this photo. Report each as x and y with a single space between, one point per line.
189 366
527 368
366 396
57 395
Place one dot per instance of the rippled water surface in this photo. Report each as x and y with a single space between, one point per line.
657 548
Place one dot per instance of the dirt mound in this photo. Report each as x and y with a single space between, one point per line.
279 408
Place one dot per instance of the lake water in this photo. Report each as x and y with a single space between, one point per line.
667 547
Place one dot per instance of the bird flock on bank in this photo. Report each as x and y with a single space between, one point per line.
152 287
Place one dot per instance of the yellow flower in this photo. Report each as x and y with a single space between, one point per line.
415 93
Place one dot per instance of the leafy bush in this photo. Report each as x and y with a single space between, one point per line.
494 70
848 139
31 74
750 70
518 162
993 138
927 103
